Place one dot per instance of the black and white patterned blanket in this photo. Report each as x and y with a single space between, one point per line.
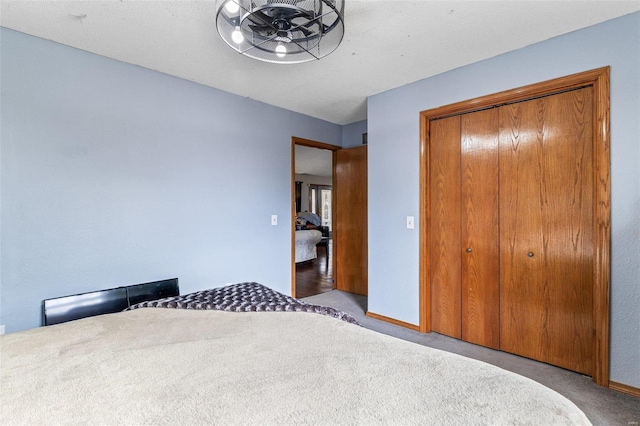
243 297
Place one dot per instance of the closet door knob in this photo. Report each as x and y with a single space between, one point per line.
469 250
530 254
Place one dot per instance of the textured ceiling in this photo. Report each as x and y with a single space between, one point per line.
387 43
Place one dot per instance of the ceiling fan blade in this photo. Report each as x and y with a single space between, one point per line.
302 14
264 30
260 18
259 26
303 30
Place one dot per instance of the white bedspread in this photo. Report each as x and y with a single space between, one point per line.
170 366
306 241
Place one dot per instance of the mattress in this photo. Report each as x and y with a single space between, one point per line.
186 366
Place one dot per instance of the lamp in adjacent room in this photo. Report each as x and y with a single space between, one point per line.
281 31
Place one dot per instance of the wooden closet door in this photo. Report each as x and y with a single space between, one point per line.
479 228
546 229
444 229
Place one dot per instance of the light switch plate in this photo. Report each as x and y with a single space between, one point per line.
410 222
274 219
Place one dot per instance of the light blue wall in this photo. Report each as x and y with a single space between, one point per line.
113 174
352 134
393 121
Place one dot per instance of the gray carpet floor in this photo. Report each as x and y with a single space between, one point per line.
603 406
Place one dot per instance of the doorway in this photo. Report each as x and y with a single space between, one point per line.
345 242
312 211
320 203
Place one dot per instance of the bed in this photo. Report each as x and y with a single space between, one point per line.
223 357
306 241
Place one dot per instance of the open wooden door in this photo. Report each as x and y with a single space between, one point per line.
350 226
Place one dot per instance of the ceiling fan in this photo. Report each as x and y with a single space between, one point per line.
281 31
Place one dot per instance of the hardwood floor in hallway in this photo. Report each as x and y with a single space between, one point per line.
315 276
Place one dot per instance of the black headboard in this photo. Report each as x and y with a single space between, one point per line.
67 308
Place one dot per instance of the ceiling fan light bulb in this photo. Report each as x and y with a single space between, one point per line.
281 50
237 36
232 6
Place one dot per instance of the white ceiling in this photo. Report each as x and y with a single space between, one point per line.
386 44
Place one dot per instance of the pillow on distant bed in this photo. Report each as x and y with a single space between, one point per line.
309 217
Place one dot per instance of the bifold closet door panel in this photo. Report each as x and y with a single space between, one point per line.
546 229
444 229
479 228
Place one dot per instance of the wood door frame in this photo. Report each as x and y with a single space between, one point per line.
312 144
599 80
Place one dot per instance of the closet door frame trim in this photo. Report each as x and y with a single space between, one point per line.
599 80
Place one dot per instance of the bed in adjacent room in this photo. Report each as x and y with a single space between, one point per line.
271 360
306 242
308 234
